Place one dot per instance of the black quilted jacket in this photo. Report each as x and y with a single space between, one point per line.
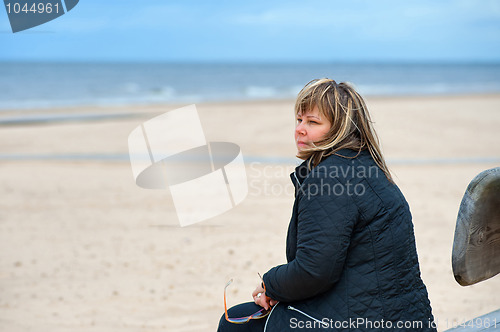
352 261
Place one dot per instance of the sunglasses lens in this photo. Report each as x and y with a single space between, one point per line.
239 320
259 314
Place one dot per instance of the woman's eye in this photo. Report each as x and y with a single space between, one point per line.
299 120
313 122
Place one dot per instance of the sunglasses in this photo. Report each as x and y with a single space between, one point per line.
242 320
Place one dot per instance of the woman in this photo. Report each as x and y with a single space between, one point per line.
352 260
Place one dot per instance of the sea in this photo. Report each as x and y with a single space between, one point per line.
49 85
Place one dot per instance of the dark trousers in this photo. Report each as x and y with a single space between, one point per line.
242 310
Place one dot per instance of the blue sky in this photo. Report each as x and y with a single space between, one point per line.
263 31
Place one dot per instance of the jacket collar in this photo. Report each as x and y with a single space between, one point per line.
302 171
300 174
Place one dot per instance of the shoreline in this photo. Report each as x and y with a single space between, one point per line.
113 108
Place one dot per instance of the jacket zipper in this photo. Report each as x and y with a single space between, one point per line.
309 316
267 319
296 178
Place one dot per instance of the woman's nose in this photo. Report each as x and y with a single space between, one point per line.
300 129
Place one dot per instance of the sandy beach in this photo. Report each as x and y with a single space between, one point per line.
82 248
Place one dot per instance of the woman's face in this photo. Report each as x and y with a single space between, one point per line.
311 127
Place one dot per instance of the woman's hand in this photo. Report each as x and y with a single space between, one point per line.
260 298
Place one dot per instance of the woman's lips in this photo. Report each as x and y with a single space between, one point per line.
301 143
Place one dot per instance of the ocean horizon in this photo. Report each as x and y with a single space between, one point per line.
44 85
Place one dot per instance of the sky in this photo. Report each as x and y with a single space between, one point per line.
262 31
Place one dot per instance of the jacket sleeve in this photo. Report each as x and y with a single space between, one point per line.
326 218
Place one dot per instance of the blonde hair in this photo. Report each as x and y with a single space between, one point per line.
351 123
